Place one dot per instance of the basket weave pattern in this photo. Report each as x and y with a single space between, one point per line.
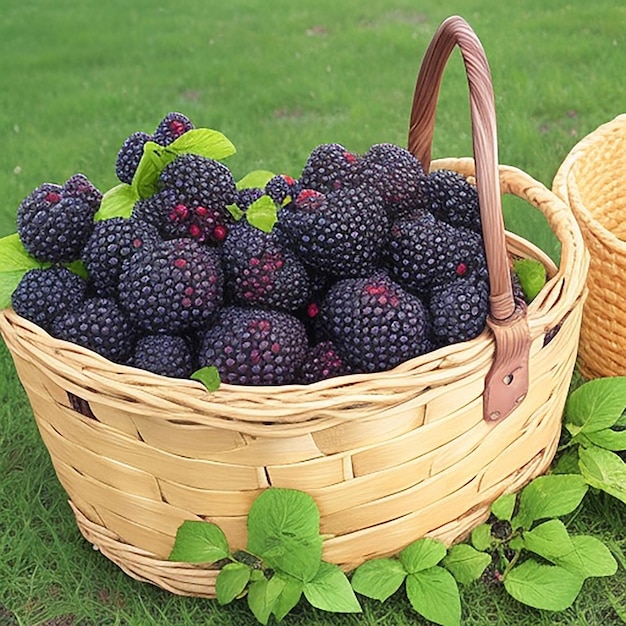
389 457
592 180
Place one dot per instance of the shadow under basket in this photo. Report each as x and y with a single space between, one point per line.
592 181
389 458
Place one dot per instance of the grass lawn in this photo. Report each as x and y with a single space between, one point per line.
277 78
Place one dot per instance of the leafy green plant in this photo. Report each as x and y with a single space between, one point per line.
595 432
431 589
532 553
281 563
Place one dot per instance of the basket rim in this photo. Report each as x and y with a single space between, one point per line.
565 183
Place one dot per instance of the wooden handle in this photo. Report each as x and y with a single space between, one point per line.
506 384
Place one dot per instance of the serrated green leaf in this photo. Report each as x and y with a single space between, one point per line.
199 542
79 268
532 276
283 529
117 202
262 597
434 594
209 376
608 439
481 537
231 582
549 496
604 470
330 590
504 506
596 404
549 540
547 587
256 178
262 214
206 142
422 554
288 597
378 578
466 563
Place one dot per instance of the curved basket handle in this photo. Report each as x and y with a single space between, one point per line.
506 384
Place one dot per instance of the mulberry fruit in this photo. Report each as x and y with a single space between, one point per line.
321 362
198 178
261 272
423 251
171 127
397 174
245 197
111 242
341 233
254 346
327 167
172 286
282 189
43 294
54 223
459 309
166 355
99 325
451 198
129 156
176 216
374 323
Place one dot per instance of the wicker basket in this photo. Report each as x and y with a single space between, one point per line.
592 180
423 449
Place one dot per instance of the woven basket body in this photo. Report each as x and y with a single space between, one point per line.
592 181
388 457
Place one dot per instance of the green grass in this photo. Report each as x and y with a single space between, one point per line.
277 78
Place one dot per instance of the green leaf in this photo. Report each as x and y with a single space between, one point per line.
378 578
422 554
199 542
153 160
263 595
235 212
596 405
14 263
288 597
117 202
13 256
262 214
604 470
8 284
78 267
590 557
209 376
504 506
330 590
547 587
567 463
231 582
434 594
203 141
283 529
549 540
465 563
256 178
532 276
549 496
481 537
608 438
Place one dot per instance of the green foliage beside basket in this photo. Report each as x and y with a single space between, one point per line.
524 547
